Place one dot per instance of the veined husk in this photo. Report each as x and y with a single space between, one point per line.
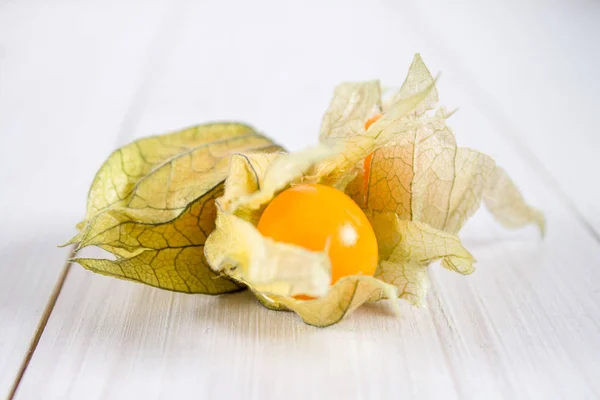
418 188
152 205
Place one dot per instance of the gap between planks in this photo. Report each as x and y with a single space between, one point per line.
39 330
161 45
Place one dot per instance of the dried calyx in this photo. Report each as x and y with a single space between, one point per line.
180 211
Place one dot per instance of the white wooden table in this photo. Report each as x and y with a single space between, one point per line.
78 79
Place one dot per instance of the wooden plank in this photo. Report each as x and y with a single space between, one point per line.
65 83
532 306
146 343
524 325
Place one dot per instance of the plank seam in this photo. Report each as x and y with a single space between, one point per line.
41 326
158 49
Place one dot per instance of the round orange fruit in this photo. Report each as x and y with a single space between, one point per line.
319 217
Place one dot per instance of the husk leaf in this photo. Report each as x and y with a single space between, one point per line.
161 206
345 296
240 251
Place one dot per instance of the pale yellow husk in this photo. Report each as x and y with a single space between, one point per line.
154 203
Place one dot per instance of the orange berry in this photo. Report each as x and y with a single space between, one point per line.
369 158
372 120
317 217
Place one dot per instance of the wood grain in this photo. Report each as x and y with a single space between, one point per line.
525 325
65 84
